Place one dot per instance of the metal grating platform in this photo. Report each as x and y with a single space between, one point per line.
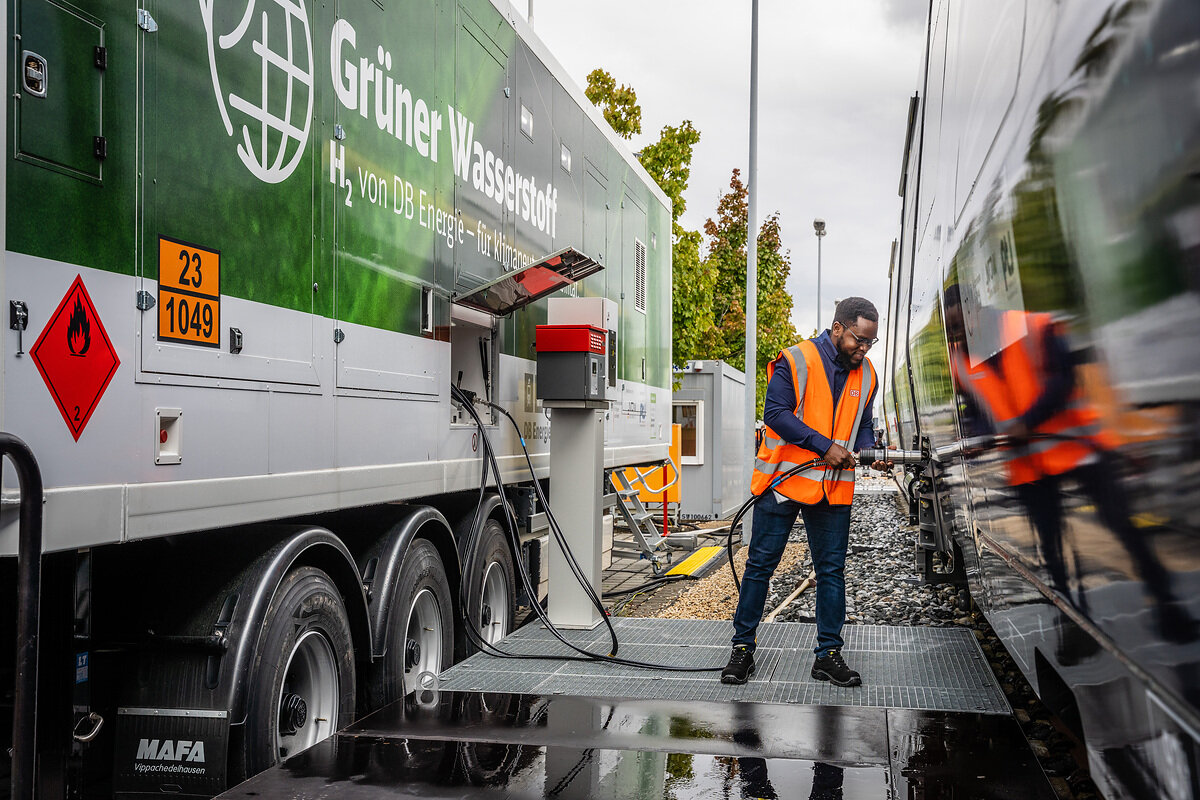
933 669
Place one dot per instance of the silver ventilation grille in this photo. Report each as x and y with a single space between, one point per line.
639 275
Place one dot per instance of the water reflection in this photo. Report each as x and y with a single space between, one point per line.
525 747
756 783
827 782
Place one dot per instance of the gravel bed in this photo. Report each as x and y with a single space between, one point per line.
881 583
882 589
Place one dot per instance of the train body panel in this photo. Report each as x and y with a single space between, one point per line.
1044 308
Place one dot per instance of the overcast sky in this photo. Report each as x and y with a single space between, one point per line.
834 83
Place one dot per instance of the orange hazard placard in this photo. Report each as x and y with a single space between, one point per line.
189 293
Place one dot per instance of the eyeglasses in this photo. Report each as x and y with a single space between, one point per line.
861 341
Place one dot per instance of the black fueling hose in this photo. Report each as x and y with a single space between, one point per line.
866 456
467 401
751 501
570 557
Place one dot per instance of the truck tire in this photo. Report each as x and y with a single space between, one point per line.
420 637
491 590
301 682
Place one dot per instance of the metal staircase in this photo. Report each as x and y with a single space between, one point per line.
647 542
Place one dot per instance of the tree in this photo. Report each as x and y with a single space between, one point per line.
619 103
694 334
726 262
708 313
669 161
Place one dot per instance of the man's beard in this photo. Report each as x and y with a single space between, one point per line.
845 360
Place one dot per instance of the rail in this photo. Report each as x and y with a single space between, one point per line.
29 591
642 476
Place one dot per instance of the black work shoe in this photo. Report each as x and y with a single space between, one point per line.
832 667
740 666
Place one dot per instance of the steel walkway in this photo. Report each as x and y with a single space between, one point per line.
933 669
930 722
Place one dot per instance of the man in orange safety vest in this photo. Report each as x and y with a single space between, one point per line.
817 407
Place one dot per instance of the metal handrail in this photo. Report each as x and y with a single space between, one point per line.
29 591
641 477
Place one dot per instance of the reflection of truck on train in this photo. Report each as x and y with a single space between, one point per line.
1045 316
241 244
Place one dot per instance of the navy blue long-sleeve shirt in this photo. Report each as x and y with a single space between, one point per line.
780 402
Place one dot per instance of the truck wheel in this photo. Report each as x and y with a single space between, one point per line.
421 634
492 590
302 679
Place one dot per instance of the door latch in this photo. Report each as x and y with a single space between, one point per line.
33 73
18 320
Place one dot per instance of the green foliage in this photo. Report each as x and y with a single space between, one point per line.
727 263
928 347
694 333
619 103
681 766
669 162
709 293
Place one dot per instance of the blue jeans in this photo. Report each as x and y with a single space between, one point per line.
828 529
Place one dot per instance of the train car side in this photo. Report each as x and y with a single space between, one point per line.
1045 304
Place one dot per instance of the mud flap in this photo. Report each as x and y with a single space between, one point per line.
174 751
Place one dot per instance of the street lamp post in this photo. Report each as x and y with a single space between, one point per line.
751 355
819 227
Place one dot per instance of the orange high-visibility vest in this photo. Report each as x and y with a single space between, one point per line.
1009 392
815 408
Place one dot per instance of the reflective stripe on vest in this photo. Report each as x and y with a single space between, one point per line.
815 407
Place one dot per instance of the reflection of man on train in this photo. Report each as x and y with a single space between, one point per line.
1029 392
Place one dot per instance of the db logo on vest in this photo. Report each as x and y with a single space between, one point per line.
855 393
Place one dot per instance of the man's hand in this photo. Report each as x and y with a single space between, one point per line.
838 457
884 466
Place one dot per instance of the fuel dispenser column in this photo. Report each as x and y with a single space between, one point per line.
572 381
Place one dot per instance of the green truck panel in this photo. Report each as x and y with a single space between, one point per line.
340 156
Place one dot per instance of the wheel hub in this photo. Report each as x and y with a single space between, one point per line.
485 615
412 653
293 713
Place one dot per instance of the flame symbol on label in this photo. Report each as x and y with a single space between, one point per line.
79 331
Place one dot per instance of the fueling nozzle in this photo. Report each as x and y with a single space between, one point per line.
897 457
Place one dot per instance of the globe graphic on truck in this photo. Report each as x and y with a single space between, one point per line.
268 109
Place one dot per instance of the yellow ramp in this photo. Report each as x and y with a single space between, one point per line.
697 561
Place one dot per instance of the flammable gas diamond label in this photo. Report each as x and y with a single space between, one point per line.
75 357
